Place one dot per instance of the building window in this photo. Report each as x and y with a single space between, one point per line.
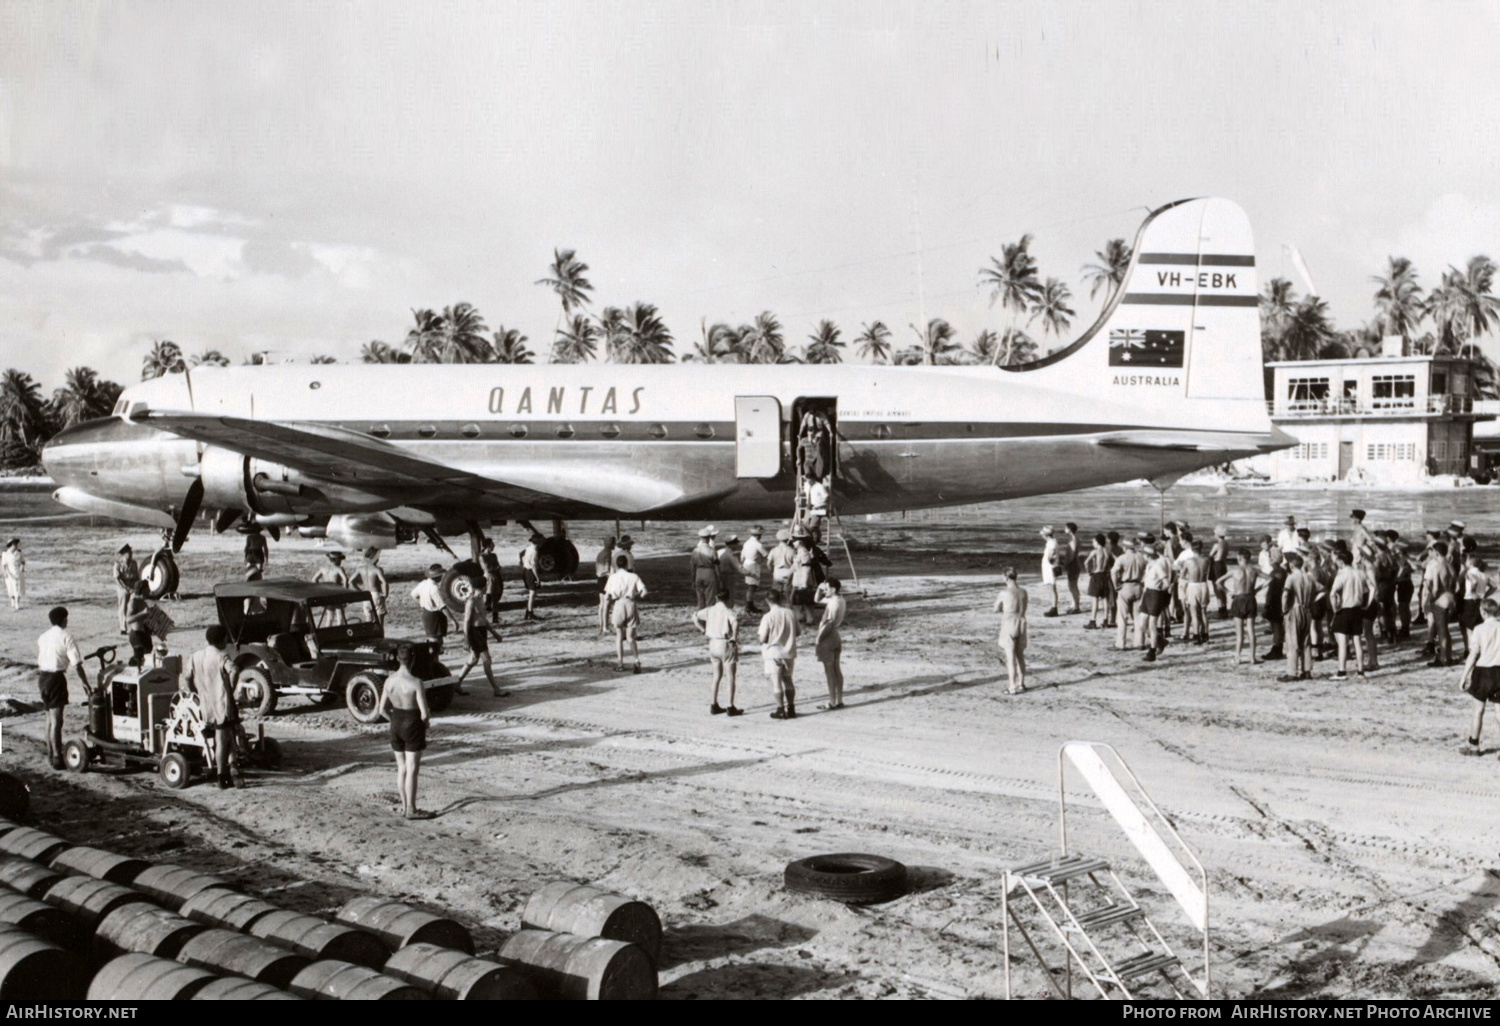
1310 451
1390 452
1307 393
1439 382
1394 391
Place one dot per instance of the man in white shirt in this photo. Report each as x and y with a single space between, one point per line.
13 566
778 641
430 601
624 590
753 560
719 625
531 573
55 652
1287 540
1049 568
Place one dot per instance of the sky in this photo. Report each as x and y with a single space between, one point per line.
297 178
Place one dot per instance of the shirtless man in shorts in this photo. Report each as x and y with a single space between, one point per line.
719 624
477 637
1238 587
403 701
1197 591
829 645
1011 605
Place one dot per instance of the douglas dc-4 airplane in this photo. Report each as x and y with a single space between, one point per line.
1168 380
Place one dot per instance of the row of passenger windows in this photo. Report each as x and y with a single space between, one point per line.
606 430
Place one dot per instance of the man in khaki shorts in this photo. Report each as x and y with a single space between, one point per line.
1128 573
778 640
719 624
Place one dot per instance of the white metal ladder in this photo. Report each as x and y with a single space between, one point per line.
1085 907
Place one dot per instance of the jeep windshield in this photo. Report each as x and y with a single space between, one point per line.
339 623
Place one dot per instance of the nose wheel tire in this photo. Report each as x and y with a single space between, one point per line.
254 692
75 756
162 576
362 695
176 773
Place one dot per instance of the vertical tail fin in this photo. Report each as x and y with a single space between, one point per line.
1186 318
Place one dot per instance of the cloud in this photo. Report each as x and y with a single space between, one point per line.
134 261
1453 228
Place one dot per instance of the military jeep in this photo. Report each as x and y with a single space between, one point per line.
323 642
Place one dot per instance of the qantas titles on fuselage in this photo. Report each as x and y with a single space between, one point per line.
556 400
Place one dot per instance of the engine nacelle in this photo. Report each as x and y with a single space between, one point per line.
233 481
359 531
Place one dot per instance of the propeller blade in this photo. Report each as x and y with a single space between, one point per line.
225 520
437 540
188 514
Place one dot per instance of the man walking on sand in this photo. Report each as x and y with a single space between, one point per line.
403 701
476 631
722 629
829 645
430 602
778 650
604 565
55 652
624 590
207 676
1011 605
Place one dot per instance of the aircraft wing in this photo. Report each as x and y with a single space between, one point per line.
350 457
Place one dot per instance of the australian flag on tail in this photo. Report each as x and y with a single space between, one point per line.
1132 347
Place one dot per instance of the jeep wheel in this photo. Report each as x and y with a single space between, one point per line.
254 692
362 695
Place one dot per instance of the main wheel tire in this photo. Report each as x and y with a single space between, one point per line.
176 771
362 696
851 878
440 698
161 576
556 558
254 692
75 756
462 580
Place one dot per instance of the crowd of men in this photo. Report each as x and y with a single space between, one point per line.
1339 598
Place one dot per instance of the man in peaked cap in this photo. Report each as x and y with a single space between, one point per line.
704 567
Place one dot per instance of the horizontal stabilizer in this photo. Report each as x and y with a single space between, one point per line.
1179 441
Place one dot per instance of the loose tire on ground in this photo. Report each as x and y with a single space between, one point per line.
15 797
362 696
440 698
254 692
176 772
75 756
852 878
463 579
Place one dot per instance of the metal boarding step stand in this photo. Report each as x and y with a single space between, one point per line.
1080 903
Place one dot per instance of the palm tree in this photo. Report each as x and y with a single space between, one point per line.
985 347
1475 307
209 358
762 340
825 343
83 397
1114 261
460 336
1012 278
578 342
1308 332
425 337
612 330
23 414
717 344
164 358
1016 347
324 359
379 352
1052 307
566 278
510 346
1399 300
1445 307
874 342
911 356
1277 304
646 338
936 343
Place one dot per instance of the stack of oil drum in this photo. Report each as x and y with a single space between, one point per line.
79 922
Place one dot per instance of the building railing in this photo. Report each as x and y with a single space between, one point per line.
1433 405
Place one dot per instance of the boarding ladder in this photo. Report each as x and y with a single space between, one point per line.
1079 901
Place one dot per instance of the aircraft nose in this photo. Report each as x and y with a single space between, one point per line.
70 455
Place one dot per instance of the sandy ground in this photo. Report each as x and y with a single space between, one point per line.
1352 850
